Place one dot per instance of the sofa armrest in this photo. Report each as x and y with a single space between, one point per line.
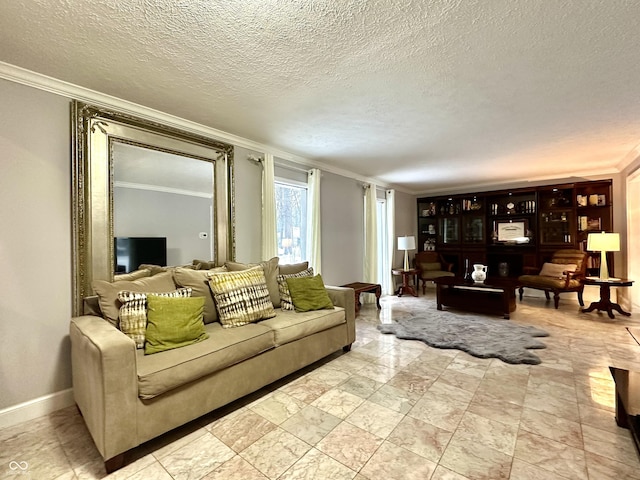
345 297
105 386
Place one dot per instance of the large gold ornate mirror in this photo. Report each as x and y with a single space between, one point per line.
133 178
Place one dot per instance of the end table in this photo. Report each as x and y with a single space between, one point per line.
406 286
605 304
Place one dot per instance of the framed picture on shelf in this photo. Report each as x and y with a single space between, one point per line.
594 224
514 231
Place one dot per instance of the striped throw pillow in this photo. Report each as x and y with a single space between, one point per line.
133 312
285 296
241 297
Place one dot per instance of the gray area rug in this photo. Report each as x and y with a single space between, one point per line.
479 336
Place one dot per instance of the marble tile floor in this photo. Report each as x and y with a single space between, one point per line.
389 409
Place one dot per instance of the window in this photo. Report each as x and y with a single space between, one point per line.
291 221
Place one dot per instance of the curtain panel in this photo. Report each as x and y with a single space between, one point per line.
269 235
314 248
370 238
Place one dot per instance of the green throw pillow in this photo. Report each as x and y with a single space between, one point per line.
308 293
173 323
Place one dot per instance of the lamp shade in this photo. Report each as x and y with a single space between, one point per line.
407 243
603 242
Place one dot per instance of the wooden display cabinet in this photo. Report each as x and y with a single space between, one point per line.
556 221
594 213
518 227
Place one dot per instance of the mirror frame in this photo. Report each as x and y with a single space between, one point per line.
94 131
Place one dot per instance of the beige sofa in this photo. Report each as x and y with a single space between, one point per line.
127 398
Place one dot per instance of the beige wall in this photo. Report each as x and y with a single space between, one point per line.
342 216
406 224
35 243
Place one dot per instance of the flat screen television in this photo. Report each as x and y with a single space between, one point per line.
130 252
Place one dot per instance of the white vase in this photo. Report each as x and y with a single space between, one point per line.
479 274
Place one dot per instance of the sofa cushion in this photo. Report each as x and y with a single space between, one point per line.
308 293
431 274
165 371
285 296
289 326
289 268
544 282
556 270
241 297
155 269
108 292
204 264
173 322
133 312
198 281
428 266
270 268
135 275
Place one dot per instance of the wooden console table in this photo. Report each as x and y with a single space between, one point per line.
494 296
360 287
605 304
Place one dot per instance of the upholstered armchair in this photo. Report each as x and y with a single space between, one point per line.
431 265
564 273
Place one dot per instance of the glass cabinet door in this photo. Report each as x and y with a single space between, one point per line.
449 231
473 229
556 227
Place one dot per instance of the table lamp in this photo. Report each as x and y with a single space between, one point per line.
406 243
603 243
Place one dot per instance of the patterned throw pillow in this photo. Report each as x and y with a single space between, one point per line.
285 296
241 297
270 274
133 312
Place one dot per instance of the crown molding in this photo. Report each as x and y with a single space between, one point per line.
158 188
60 87
630 158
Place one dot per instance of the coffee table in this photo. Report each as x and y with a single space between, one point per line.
496 296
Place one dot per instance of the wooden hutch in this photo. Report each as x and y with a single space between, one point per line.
510 229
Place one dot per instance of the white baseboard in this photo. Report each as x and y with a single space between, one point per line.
36 408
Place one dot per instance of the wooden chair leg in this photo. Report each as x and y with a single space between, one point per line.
580 300
521 291
424 285
546 294
556 299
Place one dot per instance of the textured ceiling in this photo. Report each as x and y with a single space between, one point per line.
424 95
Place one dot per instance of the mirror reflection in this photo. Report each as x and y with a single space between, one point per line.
162 208
140 181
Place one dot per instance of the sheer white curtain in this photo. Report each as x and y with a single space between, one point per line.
390 196
370 238
314 249
269 235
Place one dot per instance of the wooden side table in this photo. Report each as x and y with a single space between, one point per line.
361 287
406 286
605 304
